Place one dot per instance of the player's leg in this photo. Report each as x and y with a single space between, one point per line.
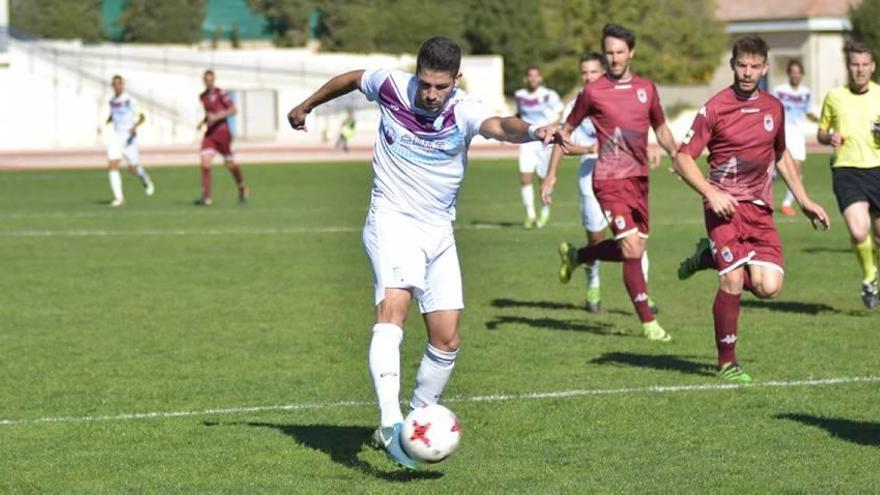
594 223
764 280
858 222
206 156
725 313
541 166
133 158
235 170
646 264
526 170
633 248
115 182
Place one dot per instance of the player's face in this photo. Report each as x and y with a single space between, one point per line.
618 55
118 85
748 69
795 75
435 86
591 70
861 67
208 79
534 79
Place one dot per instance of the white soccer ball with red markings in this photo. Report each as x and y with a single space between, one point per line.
431 434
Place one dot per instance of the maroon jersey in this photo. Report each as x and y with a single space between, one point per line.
745 136
621 111
215 100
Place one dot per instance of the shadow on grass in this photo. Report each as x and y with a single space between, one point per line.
825 249
662 363
860 432
498 225
597 328
513 303
342 444
803 308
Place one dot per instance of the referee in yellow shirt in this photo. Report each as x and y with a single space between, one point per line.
850 122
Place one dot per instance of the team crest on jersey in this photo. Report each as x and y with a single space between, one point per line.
620 222
642 95
768 123
726 254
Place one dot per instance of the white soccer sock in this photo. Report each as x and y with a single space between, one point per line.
434 372
645 265
592 274
384 361
528 199
143 175
115 183
789 198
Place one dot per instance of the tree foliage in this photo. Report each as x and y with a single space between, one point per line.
865 19
163 21
288 20
58 18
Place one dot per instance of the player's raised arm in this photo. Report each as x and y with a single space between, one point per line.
787 170
514 130
342 84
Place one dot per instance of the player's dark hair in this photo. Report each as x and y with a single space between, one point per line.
115 77
857 46
594 57
612 30
751 44
794 63
209 71
532 67
441 54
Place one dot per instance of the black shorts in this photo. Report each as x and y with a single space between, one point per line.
852 185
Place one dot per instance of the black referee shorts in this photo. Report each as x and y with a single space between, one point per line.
852 185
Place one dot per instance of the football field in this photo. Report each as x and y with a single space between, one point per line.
164 348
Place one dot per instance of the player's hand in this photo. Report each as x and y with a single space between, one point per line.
654 157
297 117
563 139
816 214
547 134
722 204
547 189
837 140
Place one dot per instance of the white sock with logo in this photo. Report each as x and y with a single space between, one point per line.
384 359
115 183
528 199
434 373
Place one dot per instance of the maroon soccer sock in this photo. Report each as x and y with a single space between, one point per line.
206 182
634 279
726 313
607 250
235 170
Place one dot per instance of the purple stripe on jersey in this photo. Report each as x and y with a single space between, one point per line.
413 122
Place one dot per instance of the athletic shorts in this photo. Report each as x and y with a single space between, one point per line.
750 237
123 147
534 157
625 203
592 217
218 141
408 254
796 143
852 185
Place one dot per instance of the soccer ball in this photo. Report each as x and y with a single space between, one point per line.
431 434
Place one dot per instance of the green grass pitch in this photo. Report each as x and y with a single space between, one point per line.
161 307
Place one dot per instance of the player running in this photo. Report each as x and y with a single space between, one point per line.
743 128
621 106
850 122
126 117
797 102
538 105
419 159
218 138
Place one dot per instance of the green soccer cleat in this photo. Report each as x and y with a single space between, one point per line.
870 294
568 256
653 331
732 372
388 439
543 220
529 223
594 302
691 265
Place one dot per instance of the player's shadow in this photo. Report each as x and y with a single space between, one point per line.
514 303
597 328
498 225
803 308
860 432
341 443
825 249
657 362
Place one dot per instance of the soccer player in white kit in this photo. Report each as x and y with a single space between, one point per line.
797 101
537 105
126 117
419 160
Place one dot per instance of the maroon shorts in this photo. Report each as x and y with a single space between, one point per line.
625 203
218 140
750 237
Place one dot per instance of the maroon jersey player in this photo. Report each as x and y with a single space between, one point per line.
623 107
218 138
743 127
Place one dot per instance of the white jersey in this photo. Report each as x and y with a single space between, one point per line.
797 104
124 113
540 107
585 133
419 157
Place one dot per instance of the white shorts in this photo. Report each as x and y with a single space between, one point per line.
123 147
534 157
408 254
796 144
592 216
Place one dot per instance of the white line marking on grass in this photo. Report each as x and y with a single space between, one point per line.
563 394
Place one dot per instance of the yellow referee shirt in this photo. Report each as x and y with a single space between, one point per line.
852 115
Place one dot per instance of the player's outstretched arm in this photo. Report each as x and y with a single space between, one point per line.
342 84
722 204
787 170
514 130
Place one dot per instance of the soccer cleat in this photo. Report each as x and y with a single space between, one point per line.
787 210
543 220
568 256
117 202
653 306
529 223
387 438
691 265
732 372
653 331
244 193
149 189
594 303
870 294
203 202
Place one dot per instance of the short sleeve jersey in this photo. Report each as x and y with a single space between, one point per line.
852 115
419 157
797 103
584 134
124 112
216 100
540 107
622 112
745 137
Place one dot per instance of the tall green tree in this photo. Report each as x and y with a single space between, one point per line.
163 21
288 19
63 19
865 19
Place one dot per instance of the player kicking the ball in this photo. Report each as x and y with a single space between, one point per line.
126 117
744 129
621 106
419 159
